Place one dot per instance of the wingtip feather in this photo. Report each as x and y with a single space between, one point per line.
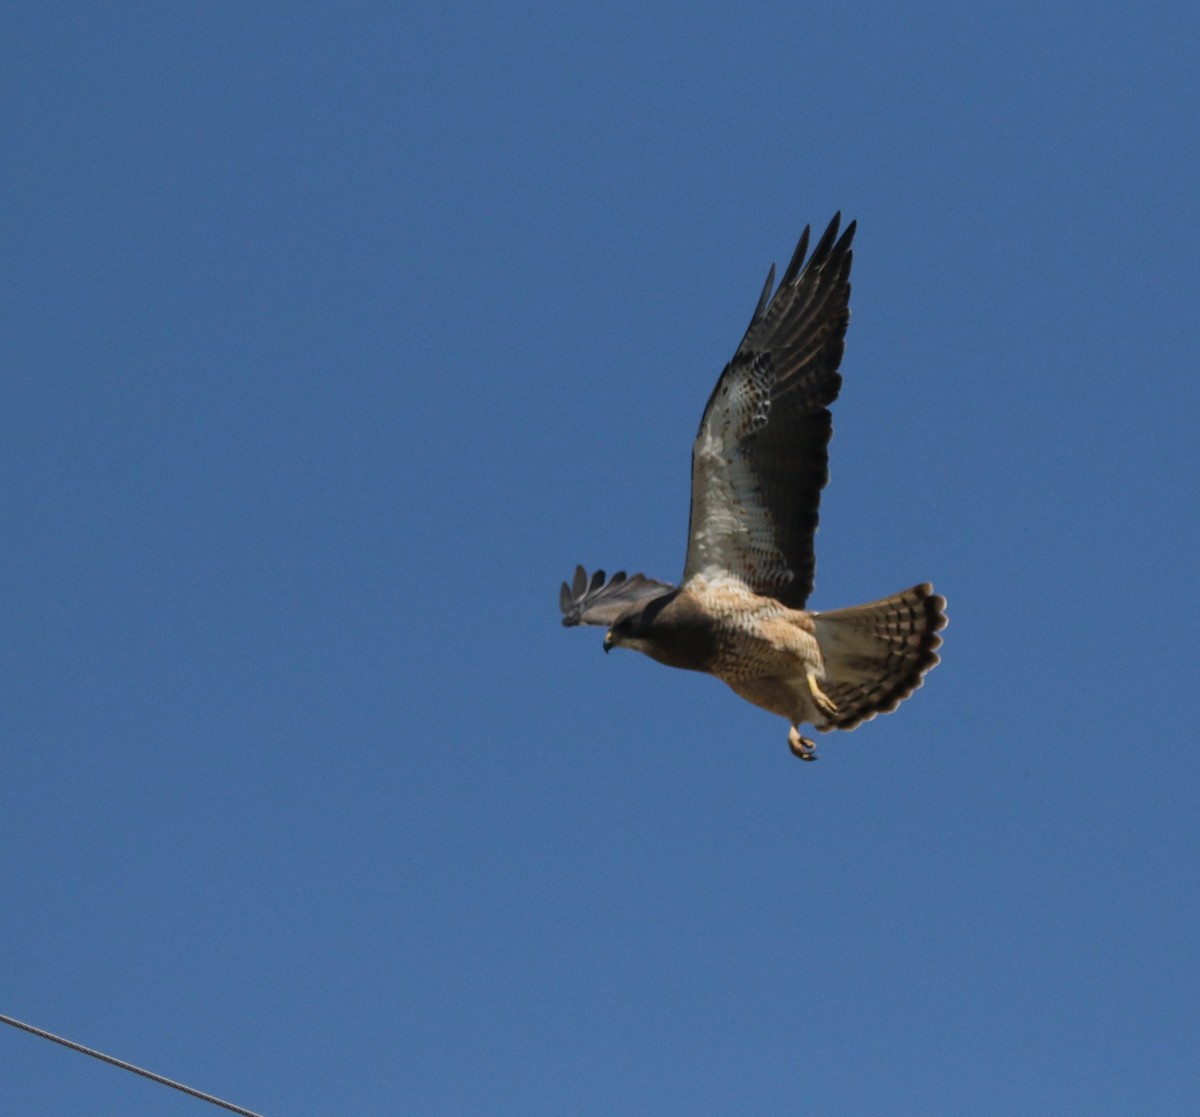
797 260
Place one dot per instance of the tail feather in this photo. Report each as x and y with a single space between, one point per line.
876 654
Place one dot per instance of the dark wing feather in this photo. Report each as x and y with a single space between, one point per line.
594 601
760 459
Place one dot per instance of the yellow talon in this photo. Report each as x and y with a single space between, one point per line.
825 704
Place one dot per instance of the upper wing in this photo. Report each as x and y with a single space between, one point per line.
760 459
593 601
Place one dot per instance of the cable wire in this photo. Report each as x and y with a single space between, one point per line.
128 1066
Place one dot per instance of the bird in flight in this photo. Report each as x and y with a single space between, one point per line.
759 463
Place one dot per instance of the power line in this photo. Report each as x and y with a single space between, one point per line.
128 1066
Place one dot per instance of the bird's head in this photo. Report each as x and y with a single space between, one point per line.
665 629
626 631
639 628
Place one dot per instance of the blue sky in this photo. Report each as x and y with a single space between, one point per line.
335 337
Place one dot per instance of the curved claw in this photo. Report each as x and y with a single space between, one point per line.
802 748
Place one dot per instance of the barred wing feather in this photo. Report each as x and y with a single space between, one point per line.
760 459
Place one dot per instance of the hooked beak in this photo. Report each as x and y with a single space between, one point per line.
608 641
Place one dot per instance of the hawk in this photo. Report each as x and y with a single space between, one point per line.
759 463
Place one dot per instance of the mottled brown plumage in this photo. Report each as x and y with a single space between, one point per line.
759 464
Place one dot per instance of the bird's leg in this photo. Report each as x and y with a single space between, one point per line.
801 747
824 703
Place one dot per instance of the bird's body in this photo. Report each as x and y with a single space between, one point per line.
759 463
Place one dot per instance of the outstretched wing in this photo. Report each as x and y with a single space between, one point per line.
760 459
594 601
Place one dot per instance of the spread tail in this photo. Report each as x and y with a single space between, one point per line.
876 654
